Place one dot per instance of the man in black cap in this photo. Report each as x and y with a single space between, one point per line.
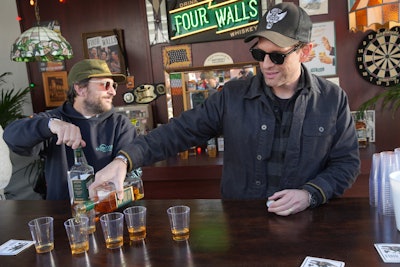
86 119
289 136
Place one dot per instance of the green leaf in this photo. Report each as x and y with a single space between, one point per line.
390 100
11 102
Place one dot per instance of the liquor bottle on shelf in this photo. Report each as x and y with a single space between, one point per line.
220 143
361 129
212 148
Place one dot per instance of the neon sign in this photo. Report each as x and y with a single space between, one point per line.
212 20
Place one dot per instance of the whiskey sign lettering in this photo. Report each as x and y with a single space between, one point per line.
211 20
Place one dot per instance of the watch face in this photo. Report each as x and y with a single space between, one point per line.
378 57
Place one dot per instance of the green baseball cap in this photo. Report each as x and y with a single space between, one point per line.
92 68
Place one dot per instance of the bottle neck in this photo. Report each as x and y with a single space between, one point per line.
85 206
79 157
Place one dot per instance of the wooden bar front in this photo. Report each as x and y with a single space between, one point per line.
199 177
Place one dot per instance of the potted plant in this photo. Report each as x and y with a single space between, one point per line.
11 103
390 100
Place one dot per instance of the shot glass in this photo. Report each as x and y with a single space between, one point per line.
113 229
77 232
135 218
179 218
42 234
91 215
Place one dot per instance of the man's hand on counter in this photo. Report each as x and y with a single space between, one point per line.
289 201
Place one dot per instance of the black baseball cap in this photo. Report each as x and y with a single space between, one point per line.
285 25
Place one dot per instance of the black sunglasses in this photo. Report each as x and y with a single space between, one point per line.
107 85
276 58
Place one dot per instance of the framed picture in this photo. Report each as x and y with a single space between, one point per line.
322 59
55 86
314 7
106 45
177 56
51 66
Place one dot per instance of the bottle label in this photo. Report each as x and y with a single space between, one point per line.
137 185
128 197
80 188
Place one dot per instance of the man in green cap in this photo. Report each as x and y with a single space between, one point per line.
86 119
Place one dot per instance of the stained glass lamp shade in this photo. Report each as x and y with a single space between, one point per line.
40 44
373 14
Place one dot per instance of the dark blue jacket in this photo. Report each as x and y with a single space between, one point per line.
322 151
104 135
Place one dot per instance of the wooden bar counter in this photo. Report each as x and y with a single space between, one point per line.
199 176
222 233
196 177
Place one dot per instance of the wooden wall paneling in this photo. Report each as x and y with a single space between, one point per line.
145 61
77 17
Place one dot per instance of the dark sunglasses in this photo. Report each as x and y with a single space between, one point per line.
276 58
107 85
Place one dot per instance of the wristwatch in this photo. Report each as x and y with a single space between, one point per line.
123 158
50 120
312 200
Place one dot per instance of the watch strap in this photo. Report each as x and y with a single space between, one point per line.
122 158
314 198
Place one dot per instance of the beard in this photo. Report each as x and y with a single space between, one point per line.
96 105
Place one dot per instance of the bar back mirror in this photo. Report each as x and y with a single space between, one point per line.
190 87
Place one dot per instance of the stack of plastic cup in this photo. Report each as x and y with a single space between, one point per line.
374 180
397 153
388 164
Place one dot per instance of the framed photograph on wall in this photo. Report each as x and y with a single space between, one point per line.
106 45
177 56
322 59
55 86
314 7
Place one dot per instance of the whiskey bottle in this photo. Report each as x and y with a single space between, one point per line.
106 200
134 179
80 176
361 128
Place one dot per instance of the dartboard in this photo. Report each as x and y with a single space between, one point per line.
378 57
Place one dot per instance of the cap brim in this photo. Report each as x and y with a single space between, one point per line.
119 78
277 38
